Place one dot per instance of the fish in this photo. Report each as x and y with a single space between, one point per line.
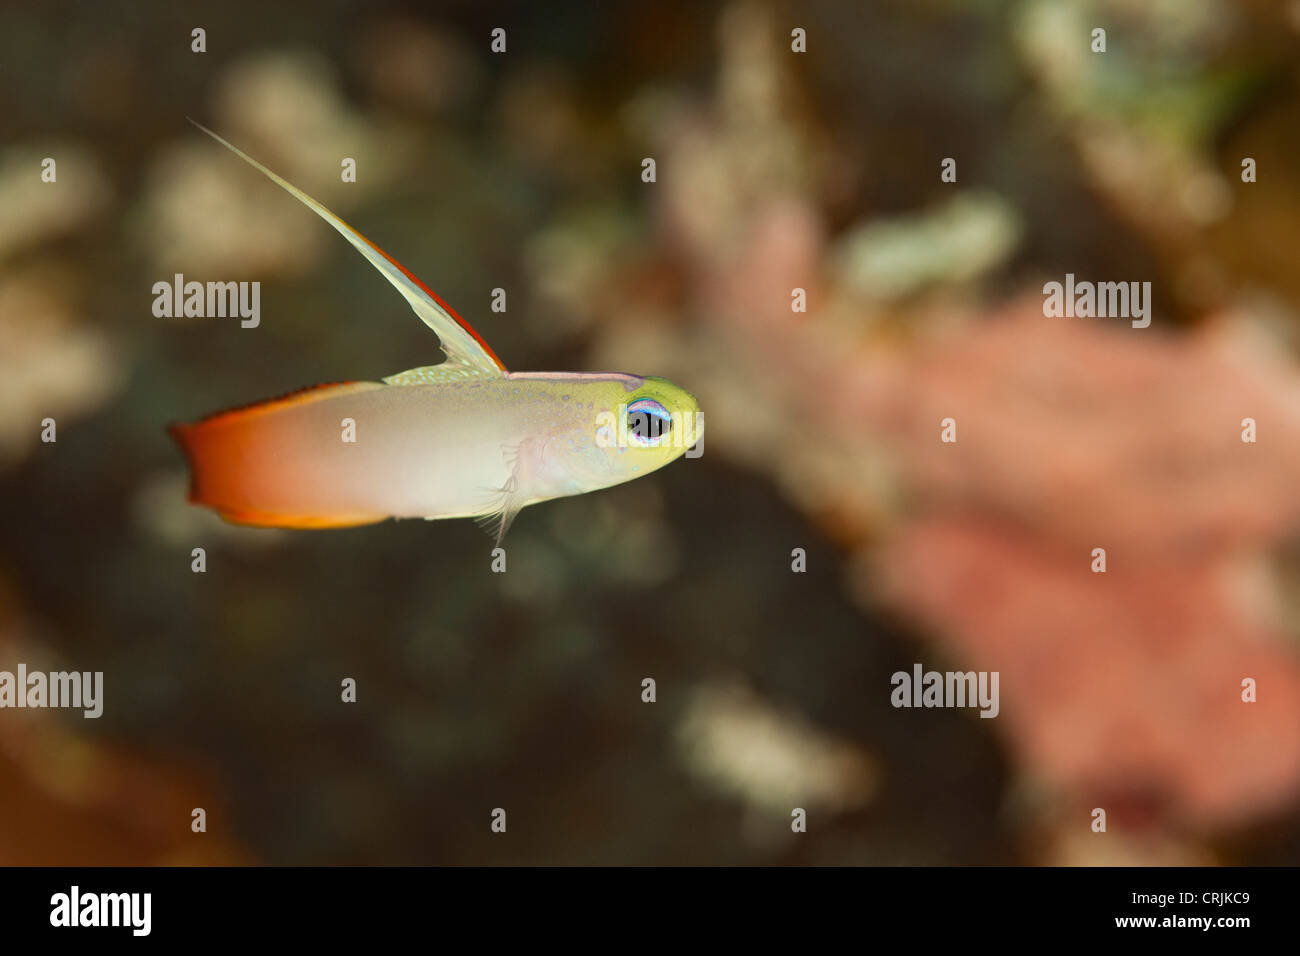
463 438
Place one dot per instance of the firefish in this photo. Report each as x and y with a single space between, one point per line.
461 439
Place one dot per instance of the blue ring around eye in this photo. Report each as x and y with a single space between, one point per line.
648 406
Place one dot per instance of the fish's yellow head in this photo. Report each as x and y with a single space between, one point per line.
639 426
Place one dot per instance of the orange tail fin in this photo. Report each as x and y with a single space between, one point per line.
228 470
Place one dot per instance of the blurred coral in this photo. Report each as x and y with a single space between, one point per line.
52 365
36 211
774 760
1073 434
68 798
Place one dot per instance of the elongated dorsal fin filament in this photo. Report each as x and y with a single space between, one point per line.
460 342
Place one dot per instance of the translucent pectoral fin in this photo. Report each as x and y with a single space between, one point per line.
509 503
498 522
504 503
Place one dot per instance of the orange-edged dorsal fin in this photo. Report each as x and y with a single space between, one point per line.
462 345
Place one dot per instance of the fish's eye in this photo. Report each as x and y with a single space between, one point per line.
648 422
